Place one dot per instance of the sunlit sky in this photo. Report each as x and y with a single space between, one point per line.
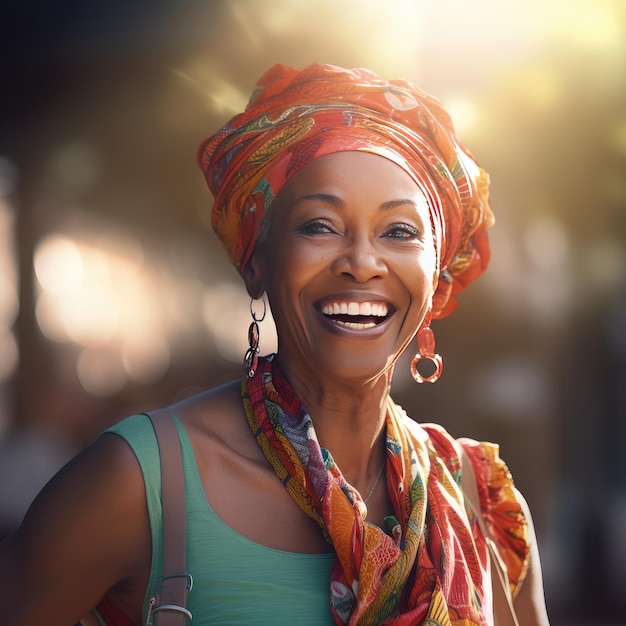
453 45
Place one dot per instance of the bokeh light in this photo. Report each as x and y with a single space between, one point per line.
96 292
101 371
58 265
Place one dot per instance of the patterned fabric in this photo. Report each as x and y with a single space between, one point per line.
296 116
432 566
501 510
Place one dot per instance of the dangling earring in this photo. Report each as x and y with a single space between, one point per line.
426 350
251 359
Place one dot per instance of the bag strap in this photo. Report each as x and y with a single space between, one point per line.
503 609
170 609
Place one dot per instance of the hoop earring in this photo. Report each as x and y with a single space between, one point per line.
251 358
426 350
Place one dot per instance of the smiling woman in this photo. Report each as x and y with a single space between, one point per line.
312 498
348 263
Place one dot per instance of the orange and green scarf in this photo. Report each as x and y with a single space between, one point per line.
431 567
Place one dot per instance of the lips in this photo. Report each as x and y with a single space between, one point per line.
353 315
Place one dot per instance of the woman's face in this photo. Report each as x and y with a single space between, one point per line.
348 263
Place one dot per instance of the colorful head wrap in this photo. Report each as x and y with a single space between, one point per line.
295 116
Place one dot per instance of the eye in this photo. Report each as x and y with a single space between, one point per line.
316 227
402 232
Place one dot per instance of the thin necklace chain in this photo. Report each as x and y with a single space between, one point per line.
373 489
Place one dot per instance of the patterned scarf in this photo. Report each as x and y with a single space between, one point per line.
432 566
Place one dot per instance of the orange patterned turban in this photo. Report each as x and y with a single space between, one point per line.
295 116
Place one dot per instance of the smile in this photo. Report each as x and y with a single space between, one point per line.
355 315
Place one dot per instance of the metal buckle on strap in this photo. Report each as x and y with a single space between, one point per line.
189 578
173 607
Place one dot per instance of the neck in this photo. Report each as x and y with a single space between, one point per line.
349 419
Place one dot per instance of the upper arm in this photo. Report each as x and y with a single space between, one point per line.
530 605
87 530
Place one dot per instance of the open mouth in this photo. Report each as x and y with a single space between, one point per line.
356 315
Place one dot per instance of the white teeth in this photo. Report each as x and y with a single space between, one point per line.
354 308
356 326
377 309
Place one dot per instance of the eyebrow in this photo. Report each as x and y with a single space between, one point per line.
392 204
326 197
338 202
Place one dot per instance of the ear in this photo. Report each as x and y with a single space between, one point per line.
253 277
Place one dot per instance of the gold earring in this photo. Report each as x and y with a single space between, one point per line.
426 350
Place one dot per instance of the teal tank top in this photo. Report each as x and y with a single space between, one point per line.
235 580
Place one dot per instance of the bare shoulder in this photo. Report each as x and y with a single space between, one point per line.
237 478
86 533
216 419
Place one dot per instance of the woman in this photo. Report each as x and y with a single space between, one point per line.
348 203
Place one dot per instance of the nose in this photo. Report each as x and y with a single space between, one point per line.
360 260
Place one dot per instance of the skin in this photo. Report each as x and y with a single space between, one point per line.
347 227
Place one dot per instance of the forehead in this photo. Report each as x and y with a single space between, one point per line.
352 174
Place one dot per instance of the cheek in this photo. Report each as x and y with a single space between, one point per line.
287 271
422 290
424 277
297 262
425 262
430 268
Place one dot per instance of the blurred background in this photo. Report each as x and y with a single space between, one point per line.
115 297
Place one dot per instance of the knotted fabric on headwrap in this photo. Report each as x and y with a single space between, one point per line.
295 116
432 567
